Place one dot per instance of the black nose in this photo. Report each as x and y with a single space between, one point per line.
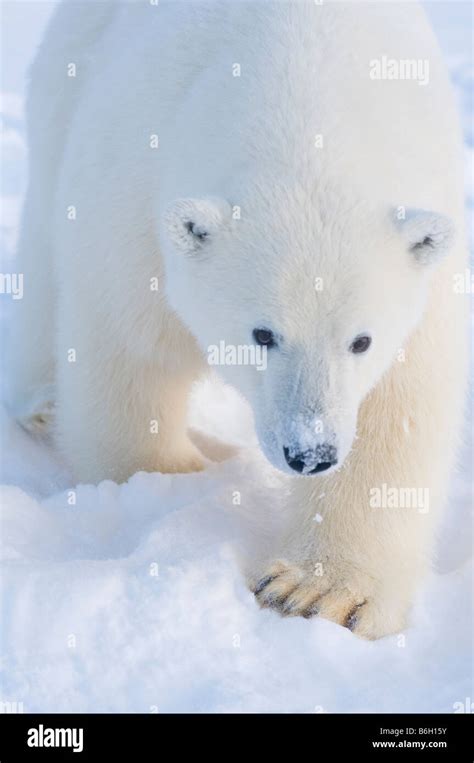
320 459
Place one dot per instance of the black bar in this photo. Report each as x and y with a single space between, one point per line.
155 737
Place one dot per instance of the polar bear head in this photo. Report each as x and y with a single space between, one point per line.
302 307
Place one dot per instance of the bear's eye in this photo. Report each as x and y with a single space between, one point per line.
264 337
361 344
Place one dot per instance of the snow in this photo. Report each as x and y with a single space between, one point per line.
130 597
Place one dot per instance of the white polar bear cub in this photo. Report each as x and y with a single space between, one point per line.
245 158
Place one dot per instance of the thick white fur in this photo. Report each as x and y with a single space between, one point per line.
306 213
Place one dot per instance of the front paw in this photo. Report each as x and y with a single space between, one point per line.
341 594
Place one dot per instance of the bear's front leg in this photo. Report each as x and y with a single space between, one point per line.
370 601
360 540
354 563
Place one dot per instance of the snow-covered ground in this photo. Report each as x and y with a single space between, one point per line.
129 598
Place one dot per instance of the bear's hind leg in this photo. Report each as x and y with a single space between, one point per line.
117 416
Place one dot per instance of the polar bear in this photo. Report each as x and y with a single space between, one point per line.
252 173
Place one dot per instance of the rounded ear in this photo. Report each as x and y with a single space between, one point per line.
428 235
191 224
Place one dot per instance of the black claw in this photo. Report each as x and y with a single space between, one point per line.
351 619
274 601
311 611
263 583
287 607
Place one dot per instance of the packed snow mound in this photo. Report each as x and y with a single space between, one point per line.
131 598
